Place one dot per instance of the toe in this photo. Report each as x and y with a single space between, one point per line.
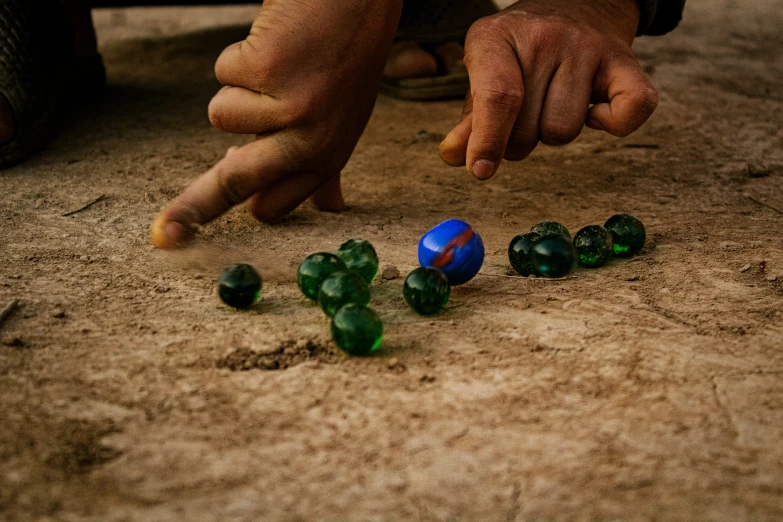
409 60
451 55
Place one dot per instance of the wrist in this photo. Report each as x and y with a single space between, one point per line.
624 16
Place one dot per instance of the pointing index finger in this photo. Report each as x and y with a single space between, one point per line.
497 90
242 173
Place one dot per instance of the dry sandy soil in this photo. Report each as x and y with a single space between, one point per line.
649 389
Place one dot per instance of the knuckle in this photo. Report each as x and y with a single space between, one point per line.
300 108
233 184
517 153
646 99
501 95
246 65
484 28
488 147
559 132
519 150
217 113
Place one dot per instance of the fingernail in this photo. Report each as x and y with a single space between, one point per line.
483 169
168 234
176 233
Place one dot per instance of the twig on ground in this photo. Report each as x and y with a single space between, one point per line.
763 204
5 312
85 207
641 146
527 278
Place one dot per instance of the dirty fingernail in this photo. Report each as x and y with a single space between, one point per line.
483 169
168 234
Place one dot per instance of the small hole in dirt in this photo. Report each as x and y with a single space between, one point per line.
287 354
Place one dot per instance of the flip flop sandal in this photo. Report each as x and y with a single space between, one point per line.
431 23
38 73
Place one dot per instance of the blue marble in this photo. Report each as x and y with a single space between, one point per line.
454 248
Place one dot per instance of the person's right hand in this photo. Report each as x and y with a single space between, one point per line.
304 82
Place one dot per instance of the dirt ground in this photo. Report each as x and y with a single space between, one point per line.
649 389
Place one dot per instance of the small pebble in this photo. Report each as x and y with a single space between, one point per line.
772 278
390 272
745 268
758 170
59 314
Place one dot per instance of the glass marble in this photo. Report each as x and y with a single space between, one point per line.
239 286
357 330
426 290
314 270
553 256
359 256
340 289
628 233
594 246
454 248
550 228
519 253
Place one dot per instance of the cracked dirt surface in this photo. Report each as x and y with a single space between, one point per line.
649 389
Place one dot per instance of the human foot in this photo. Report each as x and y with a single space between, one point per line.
306 103
426 61
409 59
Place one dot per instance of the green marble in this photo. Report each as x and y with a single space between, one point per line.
550 228
553 256
357 330
426 290
314 270
239 286
360 257
340 289
628 233
519 253
594 246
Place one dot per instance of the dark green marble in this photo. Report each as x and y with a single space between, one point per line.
360 257
550 228
553 256
357 330
519 253
628 233
594 246
426 290
314 270
340 289
239 286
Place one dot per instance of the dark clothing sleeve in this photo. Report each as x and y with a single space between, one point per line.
659 16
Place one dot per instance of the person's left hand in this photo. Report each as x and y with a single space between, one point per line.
535 68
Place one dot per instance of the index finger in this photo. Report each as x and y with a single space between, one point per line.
235 178
497 89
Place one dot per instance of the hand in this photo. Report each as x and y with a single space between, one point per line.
536 67
304 82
